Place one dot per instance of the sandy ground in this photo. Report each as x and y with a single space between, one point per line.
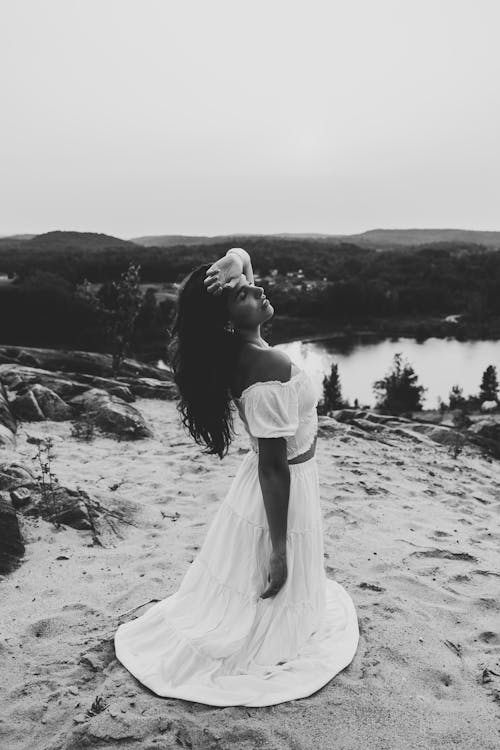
411 533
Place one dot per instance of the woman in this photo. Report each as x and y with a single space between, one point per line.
255 621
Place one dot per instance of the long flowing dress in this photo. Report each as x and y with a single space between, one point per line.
215 640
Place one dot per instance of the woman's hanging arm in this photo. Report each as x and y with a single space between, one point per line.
274 478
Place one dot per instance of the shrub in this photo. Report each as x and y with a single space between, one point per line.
398 392
332 396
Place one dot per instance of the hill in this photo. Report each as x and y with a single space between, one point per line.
393 238
76 241
375 239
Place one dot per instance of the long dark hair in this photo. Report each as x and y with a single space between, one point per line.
203 356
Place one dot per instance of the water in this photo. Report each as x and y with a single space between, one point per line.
439 364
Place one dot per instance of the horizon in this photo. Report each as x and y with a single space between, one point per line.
255 234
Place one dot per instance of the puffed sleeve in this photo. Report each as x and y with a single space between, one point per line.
272 409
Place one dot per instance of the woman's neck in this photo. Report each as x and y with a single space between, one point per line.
252 336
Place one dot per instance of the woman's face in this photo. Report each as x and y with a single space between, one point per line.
247 304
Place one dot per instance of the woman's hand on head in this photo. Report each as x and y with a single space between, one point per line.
223 274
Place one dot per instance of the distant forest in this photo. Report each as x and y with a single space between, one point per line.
42 306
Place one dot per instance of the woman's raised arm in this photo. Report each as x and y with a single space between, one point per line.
226 271
247 263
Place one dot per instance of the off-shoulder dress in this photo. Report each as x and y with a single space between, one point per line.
215 640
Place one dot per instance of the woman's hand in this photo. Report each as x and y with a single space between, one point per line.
277 574
223 274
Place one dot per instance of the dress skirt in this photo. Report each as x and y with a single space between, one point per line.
215 640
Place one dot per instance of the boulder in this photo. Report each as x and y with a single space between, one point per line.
21 497
8 426
488 406
153 388
442 435
51 405
14 475
27 359
111 385
346 415
486 428
11 543
112 414
25 407
368 425
63 506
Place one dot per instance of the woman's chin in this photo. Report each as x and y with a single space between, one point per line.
269 312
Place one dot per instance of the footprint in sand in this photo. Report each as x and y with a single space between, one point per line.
444 554
488 636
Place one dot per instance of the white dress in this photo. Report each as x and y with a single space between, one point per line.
215 640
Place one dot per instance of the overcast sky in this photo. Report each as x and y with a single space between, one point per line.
136 117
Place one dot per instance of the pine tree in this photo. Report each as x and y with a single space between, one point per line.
332 395
117 304
456 397
398 391
489 385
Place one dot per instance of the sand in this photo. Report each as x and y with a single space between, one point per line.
410 532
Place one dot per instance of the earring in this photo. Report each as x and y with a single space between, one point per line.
229 327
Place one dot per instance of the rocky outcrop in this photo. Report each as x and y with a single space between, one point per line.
19 379
484 433
112 414
32 394
91 363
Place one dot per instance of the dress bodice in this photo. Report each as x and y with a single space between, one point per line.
273 408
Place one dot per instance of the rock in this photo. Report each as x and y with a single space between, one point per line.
368 425
13 475
63 506
26 408
20 497
27 359
11 543
328 426
489 406
112 414
345 415
19 380
7 437
51 405
486 428
8 426
110 385
442 435
153 388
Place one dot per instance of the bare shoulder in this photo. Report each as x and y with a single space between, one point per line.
270 364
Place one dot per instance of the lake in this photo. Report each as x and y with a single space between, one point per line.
439 364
